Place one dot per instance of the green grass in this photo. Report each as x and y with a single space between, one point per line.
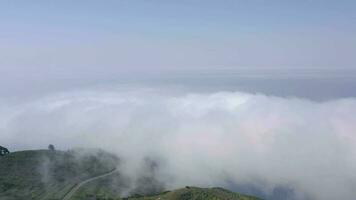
188 193
44 174
195 193
49 175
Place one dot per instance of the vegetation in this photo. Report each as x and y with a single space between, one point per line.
187 193
195 193
51 174
4 151
51 147
45 174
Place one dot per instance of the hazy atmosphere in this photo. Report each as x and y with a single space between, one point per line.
254 96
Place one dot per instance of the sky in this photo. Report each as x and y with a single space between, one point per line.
270 81
54 37
56 45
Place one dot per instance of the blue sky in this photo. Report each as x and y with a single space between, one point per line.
85 41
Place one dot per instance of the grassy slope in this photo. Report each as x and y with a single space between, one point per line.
105 188
188 193
44 174
194 193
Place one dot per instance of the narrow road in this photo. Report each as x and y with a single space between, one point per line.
69 195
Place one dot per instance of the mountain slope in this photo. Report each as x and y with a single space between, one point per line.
195 193
187 193
50 175
44 174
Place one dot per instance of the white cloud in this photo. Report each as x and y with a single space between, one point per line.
202 139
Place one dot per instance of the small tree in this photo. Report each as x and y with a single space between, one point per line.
4 151
51 147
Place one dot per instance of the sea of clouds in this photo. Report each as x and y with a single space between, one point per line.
201 139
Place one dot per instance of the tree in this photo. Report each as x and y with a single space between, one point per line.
4 151
51 147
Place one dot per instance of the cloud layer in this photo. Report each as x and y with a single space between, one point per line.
214 139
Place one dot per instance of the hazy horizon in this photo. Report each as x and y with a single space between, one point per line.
256 96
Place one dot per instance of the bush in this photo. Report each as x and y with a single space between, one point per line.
4 151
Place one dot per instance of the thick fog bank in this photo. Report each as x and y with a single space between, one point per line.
228 139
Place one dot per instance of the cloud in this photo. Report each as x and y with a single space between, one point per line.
203 139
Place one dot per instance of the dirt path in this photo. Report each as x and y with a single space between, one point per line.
69 195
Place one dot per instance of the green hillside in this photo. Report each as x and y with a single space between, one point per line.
195 193
187 193
44 174
51 175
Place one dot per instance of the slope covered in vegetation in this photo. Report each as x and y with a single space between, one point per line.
45 174
187 193
50 175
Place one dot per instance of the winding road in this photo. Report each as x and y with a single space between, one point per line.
69 195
